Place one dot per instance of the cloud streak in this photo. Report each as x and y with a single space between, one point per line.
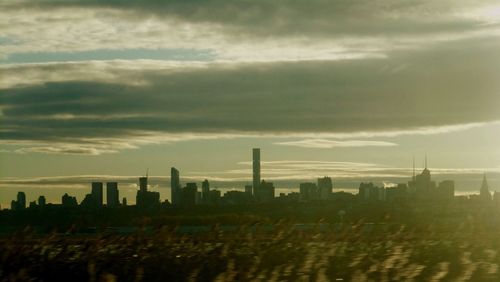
328 144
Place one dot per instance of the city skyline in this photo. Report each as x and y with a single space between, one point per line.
257 189
106 89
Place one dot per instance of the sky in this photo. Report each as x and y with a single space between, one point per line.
106 90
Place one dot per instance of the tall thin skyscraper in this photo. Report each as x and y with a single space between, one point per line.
175 186
205 190
112 196
256 170
143 184
97 192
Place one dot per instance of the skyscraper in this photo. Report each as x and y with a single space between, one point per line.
144 198
21 200
97 193
175 186
188 194
143 184
256 170
484 193
325 187
205 191
41 201
112 194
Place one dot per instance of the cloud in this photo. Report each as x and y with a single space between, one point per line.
346 98
133 104
243 31
328 144
379 68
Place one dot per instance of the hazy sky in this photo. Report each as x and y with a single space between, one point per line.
103 90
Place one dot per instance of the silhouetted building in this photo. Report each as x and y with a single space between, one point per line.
124 201
175 186
89 201
496 198
188 196
41 201
205 190
145 198
484 193
370 192
396 194
97 193
143 184
425 188
112 194
256 170
20 203
446 190
68 201
214 197
265 192
308 191
236 198
325 187
21 200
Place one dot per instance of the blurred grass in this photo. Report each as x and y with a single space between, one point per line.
355 252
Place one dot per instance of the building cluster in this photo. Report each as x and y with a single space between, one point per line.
421 188
322 190
260 190
95 199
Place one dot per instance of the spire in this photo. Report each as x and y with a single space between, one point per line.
425 160
485 191
484 185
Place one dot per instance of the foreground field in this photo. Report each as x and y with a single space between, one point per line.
255 253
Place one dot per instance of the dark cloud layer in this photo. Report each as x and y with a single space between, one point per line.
314 17
449 85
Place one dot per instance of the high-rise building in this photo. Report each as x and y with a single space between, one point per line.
425 188
189 194
143 183
68 201
21 200
256 170
41 201
370 192
265 193
112 194
175 186
97 193
205 191
446 190
484 193
145 198
325 187
308 191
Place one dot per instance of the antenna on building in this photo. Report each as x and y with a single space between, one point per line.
147 172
